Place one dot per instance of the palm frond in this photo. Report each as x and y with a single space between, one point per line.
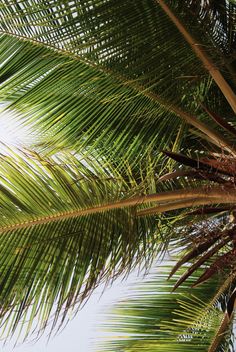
69 222
52 258
203 56
102 78
122 86
151 318
73 104
217 21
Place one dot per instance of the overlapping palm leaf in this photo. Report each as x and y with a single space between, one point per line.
151 318
117 82
99 72
217 24
80 106
68 222
205 239
53 251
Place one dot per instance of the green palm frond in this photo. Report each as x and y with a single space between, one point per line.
116 34
116 82
151 318
78 105
68 223
88 73
53 251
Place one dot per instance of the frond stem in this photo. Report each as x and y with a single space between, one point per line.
182 204
226 320
201 54
221 194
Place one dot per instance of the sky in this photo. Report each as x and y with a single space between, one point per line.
10 130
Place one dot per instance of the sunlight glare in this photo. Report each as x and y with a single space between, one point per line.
12 132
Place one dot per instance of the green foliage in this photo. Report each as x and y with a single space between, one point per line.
152 318
97 73
52 254
79 106
106 86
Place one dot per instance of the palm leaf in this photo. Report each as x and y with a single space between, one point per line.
52 255
69 222
220 121
201 53
151 318
101 78
210 210
199 249
103 84
216 22
201 164
78 105
224 262
200 261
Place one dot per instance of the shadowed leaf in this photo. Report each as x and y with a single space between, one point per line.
201 248
220 264
209 210
231 304
192 175
199 262
223 123
201 164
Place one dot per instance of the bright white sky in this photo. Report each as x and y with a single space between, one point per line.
11 132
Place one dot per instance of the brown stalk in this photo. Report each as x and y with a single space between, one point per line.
204 164
220 332
183 204
196 251
199 262
192 120
201 54
219 193
227 319
224 261
192 174
219 120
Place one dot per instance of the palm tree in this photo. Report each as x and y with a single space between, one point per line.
107 86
